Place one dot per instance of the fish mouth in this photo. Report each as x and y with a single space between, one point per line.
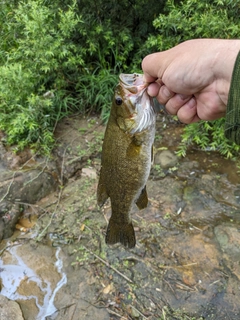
133 82
134 86
138 103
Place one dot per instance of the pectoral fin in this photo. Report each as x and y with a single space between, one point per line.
142 201
133 151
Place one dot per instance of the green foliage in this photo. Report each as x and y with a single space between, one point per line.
195 19
208 136
114 43
190 19
118 29
96 91
36 62
57 57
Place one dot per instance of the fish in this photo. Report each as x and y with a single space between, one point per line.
127 154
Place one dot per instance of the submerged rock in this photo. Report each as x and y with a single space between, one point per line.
166 159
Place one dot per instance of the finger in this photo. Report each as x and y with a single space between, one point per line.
210 106
153 89
152 66
164 94
176 102
188 112
148 78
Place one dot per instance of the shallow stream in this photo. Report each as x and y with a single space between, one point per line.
27 275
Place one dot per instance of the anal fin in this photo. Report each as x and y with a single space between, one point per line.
142 201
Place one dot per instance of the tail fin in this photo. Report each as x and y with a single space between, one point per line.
120 233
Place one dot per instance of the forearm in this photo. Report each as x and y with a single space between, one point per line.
232 126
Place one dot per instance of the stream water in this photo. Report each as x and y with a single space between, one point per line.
21 282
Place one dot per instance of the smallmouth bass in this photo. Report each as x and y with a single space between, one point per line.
126 156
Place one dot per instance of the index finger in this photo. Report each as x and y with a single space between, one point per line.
151 66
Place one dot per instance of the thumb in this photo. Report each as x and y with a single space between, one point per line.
154 65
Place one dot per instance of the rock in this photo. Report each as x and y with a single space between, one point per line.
37 276
89 172
24 187
9 214
9 310
166 159
12 160
32 186
228 237
185 264
187 168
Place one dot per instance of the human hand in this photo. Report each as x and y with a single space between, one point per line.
193 79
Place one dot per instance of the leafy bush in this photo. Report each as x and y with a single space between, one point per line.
39 58
96 91
208 136
114 43
190 19
58 57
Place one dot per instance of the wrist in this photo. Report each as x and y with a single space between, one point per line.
224 60
232 124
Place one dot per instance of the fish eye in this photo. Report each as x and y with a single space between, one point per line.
118 101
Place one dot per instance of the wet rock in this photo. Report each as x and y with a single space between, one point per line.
89 172
74 211
208 198
82 305
81 144
13 160
9 310
27 187
186 261
33 274
68 162
166 159
18 188
223 190
168 191
188 169
9 214
33 279
228 237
